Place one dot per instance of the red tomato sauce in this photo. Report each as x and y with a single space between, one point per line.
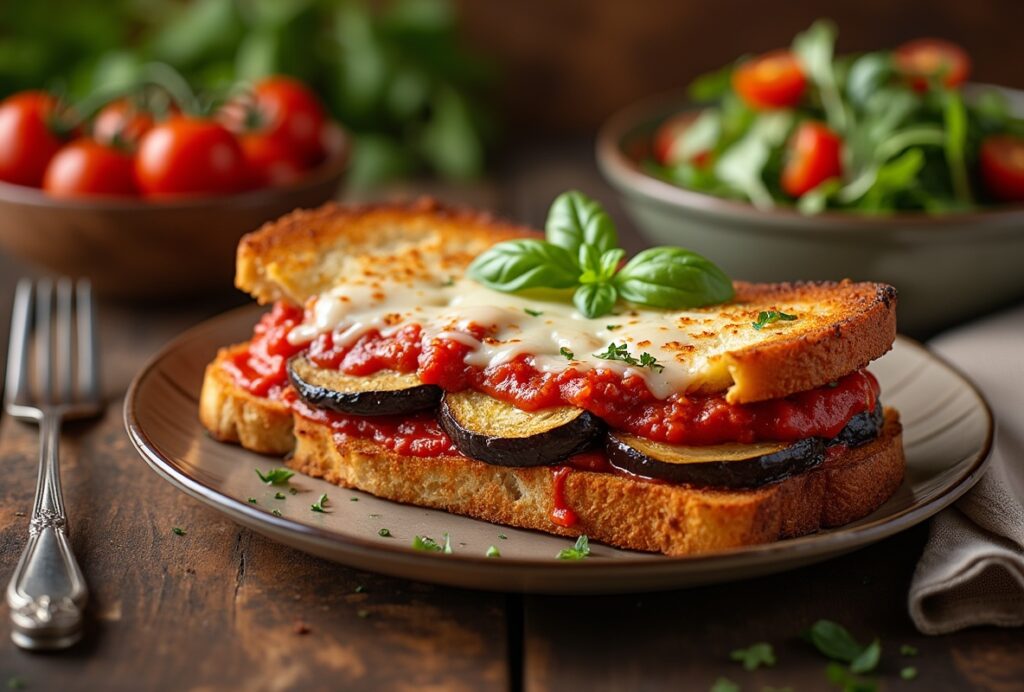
624 403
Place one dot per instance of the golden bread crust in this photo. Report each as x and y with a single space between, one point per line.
231 414
303 253
613 509
858 326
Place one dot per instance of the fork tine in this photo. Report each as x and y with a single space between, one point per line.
17 353
88 352
44 344
64 365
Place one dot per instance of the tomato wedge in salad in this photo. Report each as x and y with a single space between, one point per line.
1002 167
814 154
927 59
772 80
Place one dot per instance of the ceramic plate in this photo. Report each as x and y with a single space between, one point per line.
947 434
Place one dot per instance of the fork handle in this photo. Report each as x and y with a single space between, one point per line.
47 592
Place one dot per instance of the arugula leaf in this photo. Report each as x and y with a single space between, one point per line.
277 476
815 48
867 73
518 264
594 300
674 278
741 165
955 117
700 136
754 656
579 551
711 86
575 219
838 675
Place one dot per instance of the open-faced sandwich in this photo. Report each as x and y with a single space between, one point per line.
438 357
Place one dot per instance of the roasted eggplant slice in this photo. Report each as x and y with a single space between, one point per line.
862 428
490 430
383 393
724 466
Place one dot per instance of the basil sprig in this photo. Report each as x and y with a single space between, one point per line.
581 251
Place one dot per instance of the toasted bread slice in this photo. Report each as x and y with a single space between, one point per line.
842 326
614 509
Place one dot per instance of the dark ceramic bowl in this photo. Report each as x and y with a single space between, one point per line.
947 268
142 250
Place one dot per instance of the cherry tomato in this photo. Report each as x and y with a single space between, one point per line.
814 155
27 139
929 58
189 156
270 162
285 109
666 140
1002 167
772 80
121 122
87 168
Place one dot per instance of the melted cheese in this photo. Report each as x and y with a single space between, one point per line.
690 344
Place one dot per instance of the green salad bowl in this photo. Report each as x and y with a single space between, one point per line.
947 268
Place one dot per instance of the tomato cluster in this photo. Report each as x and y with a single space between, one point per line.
814 151
272 135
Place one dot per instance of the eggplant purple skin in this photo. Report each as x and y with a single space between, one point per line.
371 403
544 449
795 459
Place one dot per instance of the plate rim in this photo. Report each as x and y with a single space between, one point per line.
841 539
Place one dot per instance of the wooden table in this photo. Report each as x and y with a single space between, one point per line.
222 607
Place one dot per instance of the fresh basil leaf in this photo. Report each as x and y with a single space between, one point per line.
673 278
609 263
594 300
590 262
867 73
955 117
867 660
575 219
835 641
518 264
711 86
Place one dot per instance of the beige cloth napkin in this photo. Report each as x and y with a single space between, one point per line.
972 569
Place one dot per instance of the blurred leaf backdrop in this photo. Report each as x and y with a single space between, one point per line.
394 73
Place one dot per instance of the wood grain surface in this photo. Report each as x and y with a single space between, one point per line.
223 608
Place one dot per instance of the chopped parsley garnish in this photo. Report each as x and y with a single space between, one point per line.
908 650
492 552
376 516
612 327
276 512
766 317
319 506
449 282
569 355
447 544
384 533
276 476
908 673
755 656
577 552
178 531
426 543
252 500
293 491
532 313
353 499
280 496
502 536
621 352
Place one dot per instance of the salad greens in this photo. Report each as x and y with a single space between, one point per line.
905 142
580 252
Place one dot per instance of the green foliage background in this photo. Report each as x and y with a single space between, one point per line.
394 74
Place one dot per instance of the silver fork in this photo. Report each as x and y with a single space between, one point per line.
55 381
